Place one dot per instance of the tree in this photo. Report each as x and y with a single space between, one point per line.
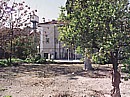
16 13
23 47
13 16
99 25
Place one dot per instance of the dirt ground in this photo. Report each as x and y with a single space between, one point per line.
54 80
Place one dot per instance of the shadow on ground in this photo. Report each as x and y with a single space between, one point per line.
50 70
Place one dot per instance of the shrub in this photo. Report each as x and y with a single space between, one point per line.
126 67
37 60
7 96
29 60
37 57
4 62
41 61
16 60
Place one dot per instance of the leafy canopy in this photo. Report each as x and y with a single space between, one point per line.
97 24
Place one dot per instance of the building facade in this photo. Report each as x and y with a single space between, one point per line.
50 46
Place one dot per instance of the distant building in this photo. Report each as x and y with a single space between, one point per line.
50 46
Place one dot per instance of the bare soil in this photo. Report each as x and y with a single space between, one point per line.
58 80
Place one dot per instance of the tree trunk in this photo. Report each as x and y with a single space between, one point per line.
87 61
115 92
87 64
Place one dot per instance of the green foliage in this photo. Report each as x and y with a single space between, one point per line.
41 61
16 60
7 96
37 60
127 61
79 50
29 60
126 78
37 57
126 66
4 62
23 47
95 24
100 58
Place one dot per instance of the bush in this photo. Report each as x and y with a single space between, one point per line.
4 62
41 61
16 60
29 60
126 67
37 57
125 70
37 60
7 96
51 61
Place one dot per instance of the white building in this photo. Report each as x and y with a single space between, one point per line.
50 46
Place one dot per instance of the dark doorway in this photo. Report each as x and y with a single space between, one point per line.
46 55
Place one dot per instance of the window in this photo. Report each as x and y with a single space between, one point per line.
46 55
47 40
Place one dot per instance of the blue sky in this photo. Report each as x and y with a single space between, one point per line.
49 9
